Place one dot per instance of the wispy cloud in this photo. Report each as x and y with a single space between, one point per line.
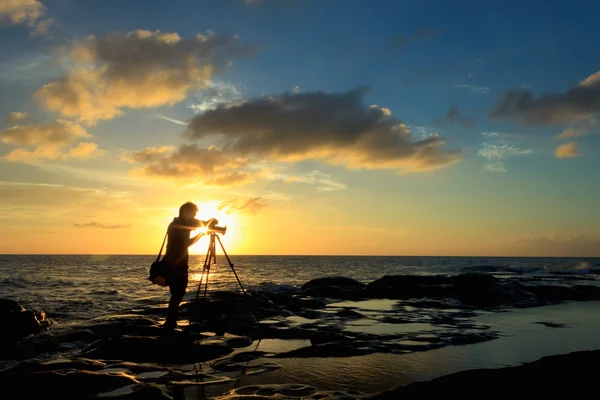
497 149
252 206
93 224
323 182
216 94
584 129
563 245
567 150
454 117
473 88
173 120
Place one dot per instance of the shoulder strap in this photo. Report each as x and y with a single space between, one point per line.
163 245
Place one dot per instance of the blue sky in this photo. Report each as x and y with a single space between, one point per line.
498 180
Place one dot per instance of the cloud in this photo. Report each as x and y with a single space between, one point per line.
28 12
336 128
473 88
50 141
323 182
453 117
583 129
186 162
94 224
173 120
140 69
252 205
497 148
554 245
16 116
216 94
495 167
237 178
577 103
567 150
70 199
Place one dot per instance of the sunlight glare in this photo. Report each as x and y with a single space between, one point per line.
210 209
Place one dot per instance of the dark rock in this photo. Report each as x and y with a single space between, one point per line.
167 350
328 337
334 287
551 324
563 376
65 384
17 322
7 305
346 313
295 302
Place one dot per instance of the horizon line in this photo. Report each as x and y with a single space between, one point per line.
297 255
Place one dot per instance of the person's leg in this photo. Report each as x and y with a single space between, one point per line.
177 288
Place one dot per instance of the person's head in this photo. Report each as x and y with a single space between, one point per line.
188 210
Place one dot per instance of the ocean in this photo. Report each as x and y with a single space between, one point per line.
74 289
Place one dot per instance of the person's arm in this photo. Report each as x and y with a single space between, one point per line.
195 239
209 222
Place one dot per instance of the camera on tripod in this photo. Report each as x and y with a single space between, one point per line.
212 227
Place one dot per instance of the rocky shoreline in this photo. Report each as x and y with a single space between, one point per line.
128 356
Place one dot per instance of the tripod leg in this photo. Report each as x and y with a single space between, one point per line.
231 265
205 270
210 255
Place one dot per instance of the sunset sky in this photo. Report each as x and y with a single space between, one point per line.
346 127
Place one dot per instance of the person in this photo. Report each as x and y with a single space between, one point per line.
177 256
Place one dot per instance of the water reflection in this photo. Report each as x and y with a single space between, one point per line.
524 340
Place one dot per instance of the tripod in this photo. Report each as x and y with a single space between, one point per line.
211 258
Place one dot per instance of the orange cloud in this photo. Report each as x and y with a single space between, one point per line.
50 141
567 150
188 162
140 69
28 12
253 205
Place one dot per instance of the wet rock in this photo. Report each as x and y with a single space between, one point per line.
293 302
351 314
65 384
470 290
551 324
334 287
328 337
7 305
167 350
17 322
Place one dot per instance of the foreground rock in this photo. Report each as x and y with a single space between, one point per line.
17 322
563 376
469 290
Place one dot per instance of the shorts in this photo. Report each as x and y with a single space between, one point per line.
178 284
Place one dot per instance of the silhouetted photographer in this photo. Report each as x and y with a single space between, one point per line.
172 270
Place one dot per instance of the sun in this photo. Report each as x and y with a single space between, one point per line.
210 209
